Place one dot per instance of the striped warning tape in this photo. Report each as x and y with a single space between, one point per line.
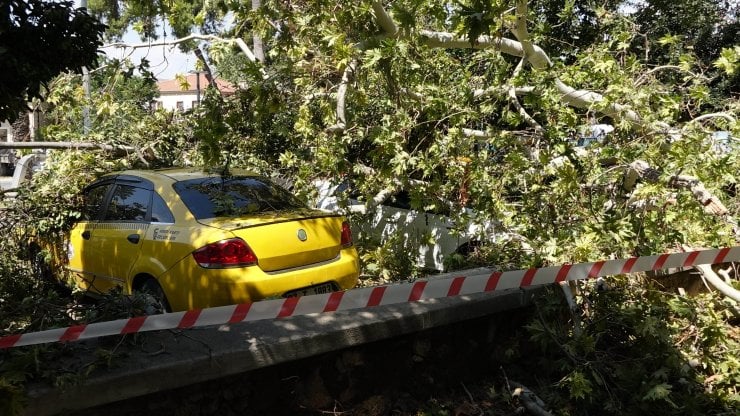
468 282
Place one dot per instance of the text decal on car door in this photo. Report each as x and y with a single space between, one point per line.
163 234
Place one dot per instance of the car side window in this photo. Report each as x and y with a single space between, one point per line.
402 200
346 187
160 212
128 203
94 199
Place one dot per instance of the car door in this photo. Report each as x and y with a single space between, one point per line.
427 230
444 236
82 253
118 236
395 217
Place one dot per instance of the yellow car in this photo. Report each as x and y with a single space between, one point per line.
197 240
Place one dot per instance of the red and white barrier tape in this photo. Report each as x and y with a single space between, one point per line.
477 281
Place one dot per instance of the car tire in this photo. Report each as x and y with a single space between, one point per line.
156 300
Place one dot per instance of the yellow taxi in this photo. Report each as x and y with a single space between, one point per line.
196 240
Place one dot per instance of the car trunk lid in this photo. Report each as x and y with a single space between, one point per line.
287 239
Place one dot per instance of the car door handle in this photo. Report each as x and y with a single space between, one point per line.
133 238
86 235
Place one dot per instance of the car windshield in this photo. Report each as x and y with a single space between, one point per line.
214 197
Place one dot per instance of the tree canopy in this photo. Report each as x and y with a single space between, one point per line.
480 103
38 41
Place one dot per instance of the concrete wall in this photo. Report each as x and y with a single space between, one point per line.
210 353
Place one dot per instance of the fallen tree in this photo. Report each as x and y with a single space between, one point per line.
463 109
361 58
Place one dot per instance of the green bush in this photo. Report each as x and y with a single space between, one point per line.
636 350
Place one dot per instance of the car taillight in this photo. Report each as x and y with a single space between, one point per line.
346 235
223 254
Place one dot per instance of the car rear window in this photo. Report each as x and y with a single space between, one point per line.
234 196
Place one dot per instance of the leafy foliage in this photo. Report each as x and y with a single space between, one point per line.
145 16
39 40
636 349
120 114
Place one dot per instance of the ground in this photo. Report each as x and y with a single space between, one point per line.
458 370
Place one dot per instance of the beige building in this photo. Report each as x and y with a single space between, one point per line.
172 95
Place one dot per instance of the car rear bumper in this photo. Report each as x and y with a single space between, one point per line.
189 286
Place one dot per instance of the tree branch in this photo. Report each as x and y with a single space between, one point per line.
209 38
726 116
587 99
259 52
384 20
124 45
521 32
663 68
65 145
501 90
479 134
712 205
538 58
347 76
208 73
515 102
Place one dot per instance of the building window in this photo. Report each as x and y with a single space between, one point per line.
180 106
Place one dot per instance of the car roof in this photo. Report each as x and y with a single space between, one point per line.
176 174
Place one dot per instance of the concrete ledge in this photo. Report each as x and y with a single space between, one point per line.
169 359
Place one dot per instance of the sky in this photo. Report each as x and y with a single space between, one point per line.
164 61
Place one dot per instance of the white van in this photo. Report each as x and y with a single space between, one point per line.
433 231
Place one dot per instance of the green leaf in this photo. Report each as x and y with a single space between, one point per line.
729 60
579 386
372 57
604 66
659 392
669 40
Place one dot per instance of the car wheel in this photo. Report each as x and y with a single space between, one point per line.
154 297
